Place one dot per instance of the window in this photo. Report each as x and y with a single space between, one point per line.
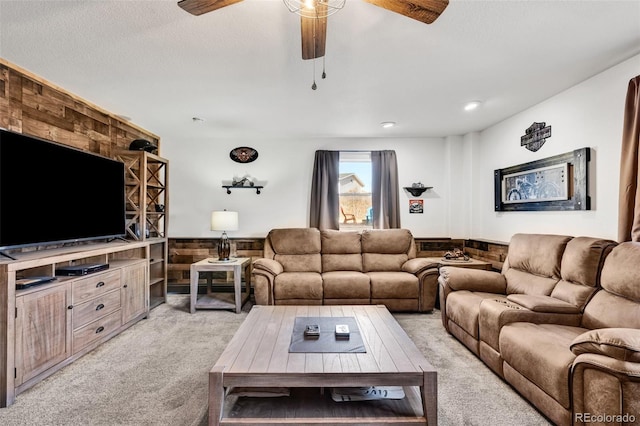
355 190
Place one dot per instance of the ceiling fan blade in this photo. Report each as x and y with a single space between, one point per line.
200 7
425 11
314 37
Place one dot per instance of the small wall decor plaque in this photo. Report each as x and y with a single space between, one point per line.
243 154
535 136
416 206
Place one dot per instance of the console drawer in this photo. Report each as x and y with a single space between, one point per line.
95 308
87 288
95 330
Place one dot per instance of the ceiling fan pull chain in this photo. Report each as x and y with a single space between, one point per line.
314 86
324 74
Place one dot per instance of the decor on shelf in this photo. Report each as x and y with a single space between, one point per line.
417 188
244 181
142 145
535 136
224 221
555 183
243 154
240 183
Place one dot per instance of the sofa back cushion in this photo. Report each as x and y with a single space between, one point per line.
580 269
533 263
386 249
341 251
297 249
617 304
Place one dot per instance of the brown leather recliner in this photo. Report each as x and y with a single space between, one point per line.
574 352
306 266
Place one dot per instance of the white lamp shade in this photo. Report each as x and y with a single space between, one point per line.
224 221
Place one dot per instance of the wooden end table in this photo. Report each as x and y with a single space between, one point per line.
471 263
210 301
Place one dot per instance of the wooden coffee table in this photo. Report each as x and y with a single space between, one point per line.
258 357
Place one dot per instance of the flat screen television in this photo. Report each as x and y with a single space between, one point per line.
51 193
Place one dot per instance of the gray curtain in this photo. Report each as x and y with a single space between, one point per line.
325 199
629 199
385 190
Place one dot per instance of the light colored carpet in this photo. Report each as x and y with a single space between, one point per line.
155 373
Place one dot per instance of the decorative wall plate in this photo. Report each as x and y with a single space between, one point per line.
243 154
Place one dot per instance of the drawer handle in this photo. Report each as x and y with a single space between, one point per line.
99 329
125 286
100 284
100 306
70 307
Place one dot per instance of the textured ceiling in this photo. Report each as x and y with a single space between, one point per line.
240 68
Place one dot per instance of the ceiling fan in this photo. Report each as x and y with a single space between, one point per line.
314 27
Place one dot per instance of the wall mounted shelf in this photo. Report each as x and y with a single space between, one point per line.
416 191
256 187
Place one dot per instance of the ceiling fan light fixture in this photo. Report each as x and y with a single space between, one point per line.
314 8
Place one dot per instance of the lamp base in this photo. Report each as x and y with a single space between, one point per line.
224 248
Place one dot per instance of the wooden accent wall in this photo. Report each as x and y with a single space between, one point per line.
34 106
185 251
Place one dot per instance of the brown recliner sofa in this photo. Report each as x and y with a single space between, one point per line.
560 323
306 266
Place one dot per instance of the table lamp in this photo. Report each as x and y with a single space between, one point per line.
224 221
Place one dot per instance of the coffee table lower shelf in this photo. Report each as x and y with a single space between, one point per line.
314 406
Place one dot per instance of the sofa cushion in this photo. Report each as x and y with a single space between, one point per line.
538 254
341 251
375 262
346 285
463 308
393 285
298 285
388 241
583 259
548 345
548 304
295 240
300 262
618 343
522 282
620 271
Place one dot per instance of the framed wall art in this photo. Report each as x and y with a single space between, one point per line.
555 183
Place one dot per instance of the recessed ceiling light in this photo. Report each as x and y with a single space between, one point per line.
472 105
388 124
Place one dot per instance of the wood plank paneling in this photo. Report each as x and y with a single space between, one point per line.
31 105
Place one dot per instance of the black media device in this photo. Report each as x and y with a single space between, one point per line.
84 269
52 193
23 283
312 331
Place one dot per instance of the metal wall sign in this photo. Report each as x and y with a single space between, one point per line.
535 136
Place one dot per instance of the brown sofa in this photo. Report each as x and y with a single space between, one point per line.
305 266
560 323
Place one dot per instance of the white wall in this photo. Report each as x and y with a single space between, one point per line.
198 167
460 168
589 114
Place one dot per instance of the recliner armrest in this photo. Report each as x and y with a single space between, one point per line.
472 280
619 343
546 304
269 265
417 265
